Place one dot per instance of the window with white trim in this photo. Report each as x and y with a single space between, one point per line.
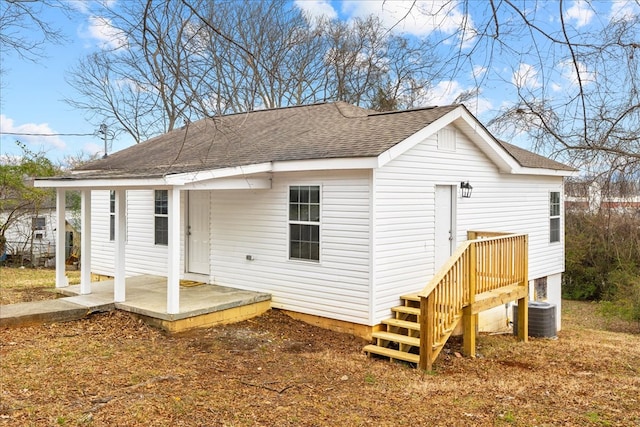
304 222
112 215
161 220
38 223
554 216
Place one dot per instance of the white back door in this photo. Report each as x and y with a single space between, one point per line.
445 224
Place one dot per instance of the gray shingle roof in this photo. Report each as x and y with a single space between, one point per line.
528 159
318 131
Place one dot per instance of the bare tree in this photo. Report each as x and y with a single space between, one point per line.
138 86
191 59
18 16
577 85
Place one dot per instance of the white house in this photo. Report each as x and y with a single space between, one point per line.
334 210
33 234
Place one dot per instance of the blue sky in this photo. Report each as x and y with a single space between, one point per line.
32 93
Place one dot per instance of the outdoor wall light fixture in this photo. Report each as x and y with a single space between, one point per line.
466 189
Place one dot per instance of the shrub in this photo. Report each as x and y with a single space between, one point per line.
603 260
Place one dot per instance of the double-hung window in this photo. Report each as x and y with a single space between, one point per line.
304 222
554 216
112 215
161 217
38 223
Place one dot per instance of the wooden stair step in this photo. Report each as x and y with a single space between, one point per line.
402 339
402 324
392 354
406 310
410 297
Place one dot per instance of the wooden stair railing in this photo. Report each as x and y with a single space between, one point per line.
488 270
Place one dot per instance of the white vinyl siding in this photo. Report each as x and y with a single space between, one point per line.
405 207
336 287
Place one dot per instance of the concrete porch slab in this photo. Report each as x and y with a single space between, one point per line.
200 306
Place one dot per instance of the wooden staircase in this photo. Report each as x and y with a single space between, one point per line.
401 338
487 270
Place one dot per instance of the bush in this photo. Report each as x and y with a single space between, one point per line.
603 260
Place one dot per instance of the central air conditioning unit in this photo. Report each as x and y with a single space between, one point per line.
542 319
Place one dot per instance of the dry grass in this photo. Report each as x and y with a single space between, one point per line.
30 284
111 369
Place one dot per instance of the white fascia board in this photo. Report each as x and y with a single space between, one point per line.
192 177
102 183
545 172
230 184
487 143
325 164
418 137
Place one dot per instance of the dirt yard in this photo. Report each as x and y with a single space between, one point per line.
113 370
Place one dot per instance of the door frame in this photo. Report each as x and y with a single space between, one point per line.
187 240
453 198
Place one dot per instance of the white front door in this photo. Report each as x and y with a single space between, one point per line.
445 224
197 238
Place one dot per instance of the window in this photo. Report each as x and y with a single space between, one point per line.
304 222
161 228
112 215
38 223
540 289
554 216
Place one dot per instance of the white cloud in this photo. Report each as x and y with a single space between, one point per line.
526 76
44 143
479 71
317 8
447 92
85 6
624 9
581 12
92 148
81 6
101 29
570 73
415 17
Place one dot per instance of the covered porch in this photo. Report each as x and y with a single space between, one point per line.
175 247
201 305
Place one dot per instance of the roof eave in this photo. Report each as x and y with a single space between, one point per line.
544 171
72 183
84 180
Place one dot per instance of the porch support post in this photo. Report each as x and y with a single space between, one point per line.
173 252
120 231
85 242
523 319
523 303
469 319
427 331
61 277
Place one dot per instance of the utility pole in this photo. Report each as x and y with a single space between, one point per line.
103 131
